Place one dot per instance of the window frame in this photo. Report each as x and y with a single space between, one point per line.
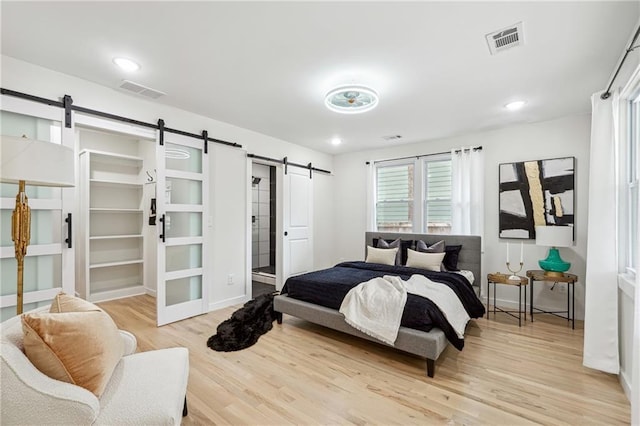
628 176
420 187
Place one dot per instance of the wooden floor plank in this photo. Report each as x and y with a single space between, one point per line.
301 373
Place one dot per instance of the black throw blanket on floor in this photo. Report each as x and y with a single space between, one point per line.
245 326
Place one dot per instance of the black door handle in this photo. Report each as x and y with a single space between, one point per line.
286 233
69 230
163 229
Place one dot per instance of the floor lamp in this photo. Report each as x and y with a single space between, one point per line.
31 162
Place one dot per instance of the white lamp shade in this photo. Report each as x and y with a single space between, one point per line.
36 162
554 236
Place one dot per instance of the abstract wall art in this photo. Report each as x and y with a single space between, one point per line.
535 193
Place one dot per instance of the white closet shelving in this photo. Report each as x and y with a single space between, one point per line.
111 227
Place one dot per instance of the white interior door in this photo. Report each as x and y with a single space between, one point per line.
297 235
49 264
182 191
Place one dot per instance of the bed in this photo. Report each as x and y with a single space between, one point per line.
415 337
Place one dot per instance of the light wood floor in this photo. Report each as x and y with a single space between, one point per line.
300 373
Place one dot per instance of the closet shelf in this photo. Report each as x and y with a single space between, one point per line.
114 183
115 237
110 264
113 210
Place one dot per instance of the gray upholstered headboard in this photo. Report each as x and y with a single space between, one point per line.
470 253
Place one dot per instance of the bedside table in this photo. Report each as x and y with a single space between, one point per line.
499 278
570 279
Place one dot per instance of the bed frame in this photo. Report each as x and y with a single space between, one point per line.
428 345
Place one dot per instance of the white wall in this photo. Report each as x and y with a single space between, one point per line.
230 227
563 137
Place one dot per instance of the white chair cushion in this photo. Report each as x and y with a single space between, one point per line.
146 388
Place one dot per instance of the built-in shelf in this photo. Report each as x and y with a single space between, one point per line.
112 220
114 183
113 210
115 237
110 264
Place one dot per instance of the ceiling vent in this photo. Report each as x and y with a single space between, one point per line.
392 137
141 90
506 38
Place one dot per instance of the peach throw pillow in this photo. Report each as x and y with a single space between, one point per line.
81 348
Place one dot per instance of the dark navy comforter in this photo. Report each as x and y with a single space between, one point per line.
328 287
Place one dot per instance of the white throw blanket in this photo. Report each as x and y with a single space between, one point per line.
375 307
444 298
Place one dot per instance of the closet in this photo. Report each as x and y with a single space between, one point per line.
116 222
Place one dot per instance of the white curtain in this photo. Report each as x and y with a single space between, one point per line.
371 197
601 281
467 192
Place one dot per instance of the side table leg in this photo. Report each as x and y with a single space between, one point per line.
573 305
531 298
525 304
520 305
568 299
494 299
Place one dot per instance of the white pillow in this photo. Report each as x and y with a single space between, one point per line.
428 261
383 256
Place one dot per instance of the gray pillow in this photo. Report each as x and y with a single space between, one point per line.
435 248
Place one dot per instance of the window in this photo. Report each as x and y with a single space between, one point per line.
394 197
414 195
437 196
632 184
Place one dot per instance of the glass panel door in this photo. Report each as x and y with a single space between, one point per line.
182 201
49 265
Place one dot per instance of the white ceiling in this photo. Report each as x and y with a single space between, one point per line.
266 66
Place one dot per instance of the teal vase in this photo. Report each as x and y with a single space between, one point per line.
553 262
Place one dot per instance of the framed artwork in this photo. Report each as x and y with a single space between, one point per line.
535 193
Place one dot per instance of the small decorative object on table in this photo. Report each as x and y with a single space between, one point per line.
514 274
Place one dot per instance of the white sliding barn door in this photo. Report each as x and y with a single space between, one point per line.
297 236
50 261
182 197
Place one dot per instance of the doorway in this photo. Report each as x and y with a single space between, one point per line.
263 228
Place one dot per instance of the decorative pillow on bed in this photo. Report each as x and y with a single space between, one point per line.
403 245
428 261
450 261
383 256
423 247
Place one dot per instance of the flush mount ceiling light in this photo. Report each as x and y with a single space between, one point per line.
351 99
516 105
126 64
336 141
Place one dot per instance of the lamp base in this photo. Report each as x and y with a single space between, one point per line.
553 264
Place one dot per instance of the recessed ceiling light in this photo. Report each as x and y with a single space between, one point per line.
513 106
351 99
336 141
126 64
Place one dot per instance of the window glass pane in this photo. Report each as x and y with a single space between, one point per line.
437 187
40 273
394 198
183 290
183 257
43 227
13 124
183 158
183 191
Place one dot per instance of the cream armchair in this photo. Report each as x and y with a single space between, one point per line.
146 388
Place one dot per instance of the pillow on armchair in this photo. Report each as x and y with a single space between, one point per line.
81 347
